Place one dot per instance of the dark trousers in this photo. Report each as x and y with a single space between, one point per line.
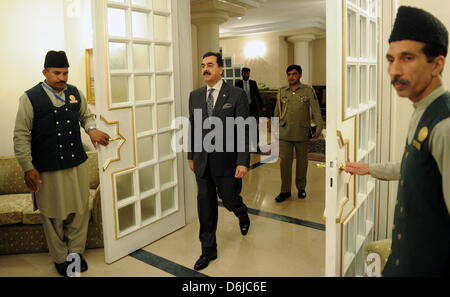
208 188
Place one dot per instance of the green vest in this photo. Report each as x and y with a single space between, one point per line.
421 232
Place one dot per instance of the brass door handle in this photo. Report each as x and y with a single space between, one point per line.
323 166
119 138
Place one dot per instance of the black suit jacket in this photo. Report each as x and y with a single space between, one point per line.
257 102
231 103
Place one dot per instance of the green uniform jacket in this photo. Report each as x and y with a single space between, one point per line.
294 108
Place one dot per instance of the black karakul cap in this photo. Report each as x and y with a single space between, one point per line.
56 60
419 25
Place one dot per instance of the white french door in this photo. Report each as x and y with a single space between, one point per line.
137 100
352 85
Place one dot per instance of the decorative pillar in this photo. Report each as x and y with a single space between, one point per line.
303 54
208 30
207 16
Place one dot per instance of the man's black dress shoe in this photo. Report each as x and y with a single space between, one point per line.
302 194
244 226
62 268
204 260
84 265
282 197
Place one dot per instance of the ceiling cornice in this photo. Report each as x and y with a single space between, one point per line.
275 27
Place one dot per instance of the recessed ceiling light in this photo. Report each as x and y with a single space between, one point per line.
239 18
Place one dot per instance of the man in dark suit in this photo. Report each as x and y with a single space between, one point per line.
254 99
217 169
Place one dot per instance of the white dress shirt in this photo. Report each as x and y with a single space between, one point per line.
217 87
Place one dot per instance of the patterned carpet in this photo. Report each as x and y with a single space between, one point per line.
316 150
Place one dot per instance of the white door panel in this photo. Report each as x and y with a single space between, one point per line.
136 98
352 30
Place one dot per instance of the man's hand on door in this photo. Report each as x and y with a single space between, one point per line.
357 168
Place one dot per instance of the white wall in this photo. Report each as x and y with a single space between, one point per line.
78 37
266 69
271 68
29 29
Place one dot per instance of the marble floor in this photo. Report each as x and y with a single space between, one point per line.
285 239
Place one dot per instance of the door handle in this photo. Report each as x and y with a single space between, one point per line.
323 166
115 139
111 139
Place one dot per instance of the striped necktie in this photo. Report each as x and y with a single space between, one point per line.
210 102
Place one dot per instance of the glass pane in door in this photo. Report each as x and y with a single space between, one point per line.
148 208
144 118
167 199
162 58
119 89
165 146
141 25
144 3
127 217
163 87
116 22
161 5
363 86
118 56
164 115
141 57
145 149
166 172
147 178
142 88
125 186
161 28
363 41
